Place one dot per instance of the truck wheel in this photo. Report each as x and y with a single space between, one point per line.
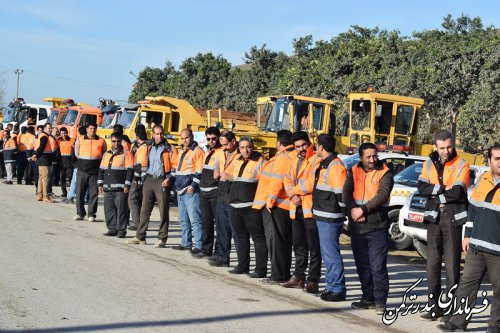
421 248
397 239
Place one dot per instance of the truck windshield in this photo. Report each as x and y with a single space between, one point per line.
361 111
22 114
70 117
404 116
126 118
53 116
279 117
108 119
8 114
409 176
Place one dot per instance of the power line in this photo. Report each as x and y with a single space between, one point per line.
88 83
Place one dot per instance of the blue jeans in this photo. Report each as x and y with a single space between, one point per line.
72 187
190 213
329 234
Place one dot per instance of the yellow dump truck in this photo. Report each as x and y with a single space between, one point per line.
173 114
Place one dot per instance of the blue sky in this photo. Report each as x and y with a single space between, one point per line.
85 49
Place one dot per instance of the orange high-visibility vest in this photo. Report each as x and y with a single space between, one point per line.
366 184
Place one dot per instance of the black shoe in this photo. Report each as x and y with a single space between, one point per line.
195 251
132 227
445 318
201 255
218 263
271 281
181 248
449 327
431 316
109 233
238 270
363 304
8 182
330 296
213 258
121 235
493 330
257 275
19 182
379 309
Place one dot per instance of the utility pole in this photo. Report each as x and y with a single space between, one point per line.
18 73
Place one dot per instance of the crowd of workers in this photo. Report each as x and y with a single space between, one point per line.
296 201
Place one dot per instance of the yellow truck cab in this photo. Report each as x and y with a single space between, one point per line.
290 112
386 120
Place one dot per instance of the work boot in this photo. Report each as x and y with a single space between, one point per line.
39 197
431 316
78 218
136 241
91 219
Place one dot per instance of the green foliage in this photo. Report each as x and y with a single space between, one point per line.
455 69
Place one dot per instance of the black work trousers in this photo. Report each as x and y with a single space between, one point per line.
282 242
268 230
3 172
248 222
224 232
29 173
135 203
116 212
443 239
86 182
477 263
370 255
21 165
208 204
153 191
65 174
306 247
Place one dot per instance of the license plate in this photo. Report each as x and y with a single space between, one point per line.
416 217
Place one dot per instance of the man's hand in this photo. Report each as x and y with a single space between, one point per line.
226 176
216 174
465 244
166 183
356 213
190 190
101 189
362 219
296 200
448 187
125 190
289 193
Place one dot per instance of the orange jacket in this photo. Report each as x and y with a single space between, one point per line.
271 178
455 173
301 182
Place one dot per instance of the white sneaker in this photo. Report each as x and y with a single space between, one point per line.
160 243
91 219
78 218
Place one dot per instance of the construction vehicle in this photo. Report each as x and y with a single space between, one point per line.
59 108
20 113
389 121
174 115
79 114
290 112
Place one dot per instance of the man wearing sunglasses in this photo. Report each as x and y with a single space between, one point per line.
208 191
114 179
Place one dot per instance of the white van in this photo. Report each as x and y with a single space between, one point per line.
18 112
